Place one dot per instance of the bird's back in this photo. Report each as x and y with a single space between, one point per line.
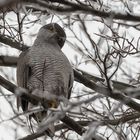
50 70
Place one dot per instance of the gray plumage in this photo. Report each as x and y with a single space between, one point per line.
44 67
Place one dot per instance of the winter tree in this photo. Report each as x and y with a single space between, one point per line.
103 47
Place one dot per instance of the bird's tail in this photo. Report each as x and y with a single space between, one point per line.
39 118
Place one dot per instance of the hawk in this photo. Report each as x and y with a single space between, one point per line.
44 68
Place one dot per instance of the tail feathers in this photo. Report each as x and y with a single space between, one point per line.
50 131
41 118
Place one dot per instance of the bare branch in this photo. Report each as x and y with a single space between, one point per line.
10 42
7 5
9 61
90 84
70 123
70 7
12 61
35 100
7 85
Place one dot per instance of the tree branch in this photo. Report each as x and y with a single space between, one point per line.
9 61
12 61
35 100
58 127
7 85
70 7
71 123
12 43
65 120
7 5
117 95
116 84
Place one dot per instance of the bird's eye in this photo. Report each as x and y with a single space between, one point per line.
51 28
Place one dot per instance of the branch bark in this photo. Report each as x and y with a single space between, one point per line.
7 41
70 7
9 61
66 120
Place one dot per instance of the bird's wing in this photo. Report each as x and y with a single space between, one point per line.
23 74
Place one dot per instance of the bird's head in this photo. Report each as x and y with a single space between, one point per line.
53 32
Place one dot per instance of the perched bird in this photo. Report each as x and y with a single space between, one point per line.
44 68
